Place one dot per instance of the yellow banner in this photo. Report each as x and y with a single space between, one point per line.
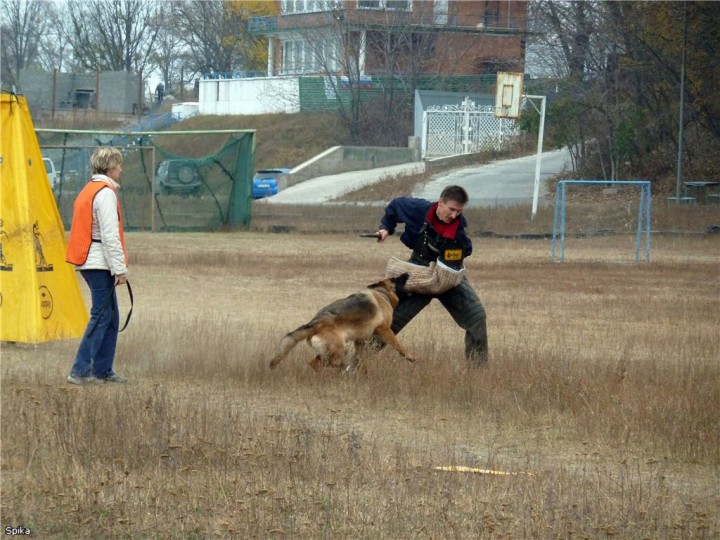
40 298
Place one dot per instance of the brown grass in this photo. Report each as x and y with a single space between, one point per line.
582 217
602 384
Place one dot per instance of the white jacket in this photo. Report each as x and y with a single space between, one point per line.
108 253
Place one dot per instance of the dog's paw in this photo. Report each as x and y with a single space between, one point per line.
273 363
411 358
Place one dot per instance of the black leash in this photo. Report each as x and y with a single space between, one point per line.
130 294
109 303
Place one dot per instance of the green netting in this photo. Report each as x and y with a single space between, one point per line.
163 189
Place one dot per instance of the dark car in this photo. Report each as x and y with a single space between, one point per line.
265 182
178 176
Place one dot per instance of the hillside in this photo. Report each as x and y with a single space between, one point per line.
283 140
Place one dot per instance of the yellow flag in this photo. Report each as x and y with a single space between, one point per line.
40 298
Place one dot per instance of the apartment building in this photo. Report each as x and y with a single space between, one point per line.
359 38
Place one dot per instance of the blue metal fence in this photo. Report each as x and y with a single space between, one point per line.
151 122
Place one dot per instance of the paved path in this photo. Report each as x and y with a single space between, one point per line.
324 188
505 182
502 182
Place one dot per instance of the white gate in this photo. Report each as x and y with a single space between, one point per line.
450 130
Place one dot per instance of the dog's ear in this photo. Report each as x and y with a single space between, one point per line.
378 284
386 283
401 280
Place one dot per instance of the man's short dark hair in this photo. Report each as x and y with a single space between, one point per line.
455 193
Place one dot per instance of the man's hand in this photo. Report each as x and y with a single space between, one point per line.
382 234
120 279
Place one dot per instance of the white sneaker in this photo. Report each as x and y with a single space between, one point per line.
81 381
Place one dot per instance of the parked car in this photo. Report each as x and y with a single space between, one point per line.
52 174
178 176
265 182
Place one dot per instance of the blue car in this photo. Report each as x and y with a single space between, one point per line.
265 182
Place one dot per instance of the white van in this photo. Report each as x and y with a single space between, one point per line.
53 176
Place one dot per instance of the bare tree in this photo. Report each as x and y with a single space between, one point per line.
212 34
572 40
22 24
169 52
56 51
116 35
373 62
617 105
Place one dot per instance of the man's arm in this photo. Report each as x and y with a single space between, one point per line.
407 210
464 238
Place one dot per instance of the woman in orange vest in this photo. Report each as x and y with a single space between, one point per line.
97 249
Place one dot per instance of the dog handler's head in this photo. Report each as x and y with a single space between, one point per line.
451 203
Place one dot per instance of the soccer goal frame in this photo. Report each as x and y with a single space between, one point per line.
643 222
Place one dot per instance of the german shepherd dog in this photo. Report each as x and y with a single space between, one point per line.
338 330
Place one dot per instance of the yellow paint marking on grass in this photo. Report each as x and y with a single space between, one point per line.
461 468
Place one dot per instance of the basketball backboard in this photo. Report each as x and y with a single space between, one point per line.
508 94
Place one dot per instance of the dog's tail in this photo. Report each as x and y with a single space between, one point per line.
290 340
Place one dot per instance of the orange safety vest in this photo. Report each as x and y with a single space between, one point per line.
81 229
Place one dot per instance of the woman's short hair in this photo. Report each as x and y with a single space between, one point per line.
105 158
455 193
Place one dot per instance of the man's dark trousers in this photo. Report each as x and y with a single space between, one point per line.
465 308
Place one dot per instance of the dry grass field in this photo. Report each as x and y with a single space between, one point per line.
601 400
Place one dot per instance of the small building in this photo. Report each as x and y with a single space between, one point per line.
116 92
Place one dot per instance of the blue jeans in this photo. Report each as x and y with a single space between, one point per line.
96 353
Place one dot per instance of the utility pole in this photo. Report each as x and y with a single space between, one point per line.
681 120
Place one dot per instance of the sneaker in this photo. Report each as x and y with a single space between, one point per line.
114 377
81 381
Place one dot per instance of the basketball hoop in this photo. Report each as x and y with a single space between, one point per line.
508 95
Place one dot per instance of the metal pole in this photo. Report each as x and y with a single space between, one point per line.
153 199
97 93
538 159
466 125
641 215
423 143
555 219
54 93
648 214
562 229
682 108
140 96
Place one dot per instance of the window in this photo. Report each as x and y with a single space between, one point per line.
390 5
398 5
297 57
307 6
303 56
287 58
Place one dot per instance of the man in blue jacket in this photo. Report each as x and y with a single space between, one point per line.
432 229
